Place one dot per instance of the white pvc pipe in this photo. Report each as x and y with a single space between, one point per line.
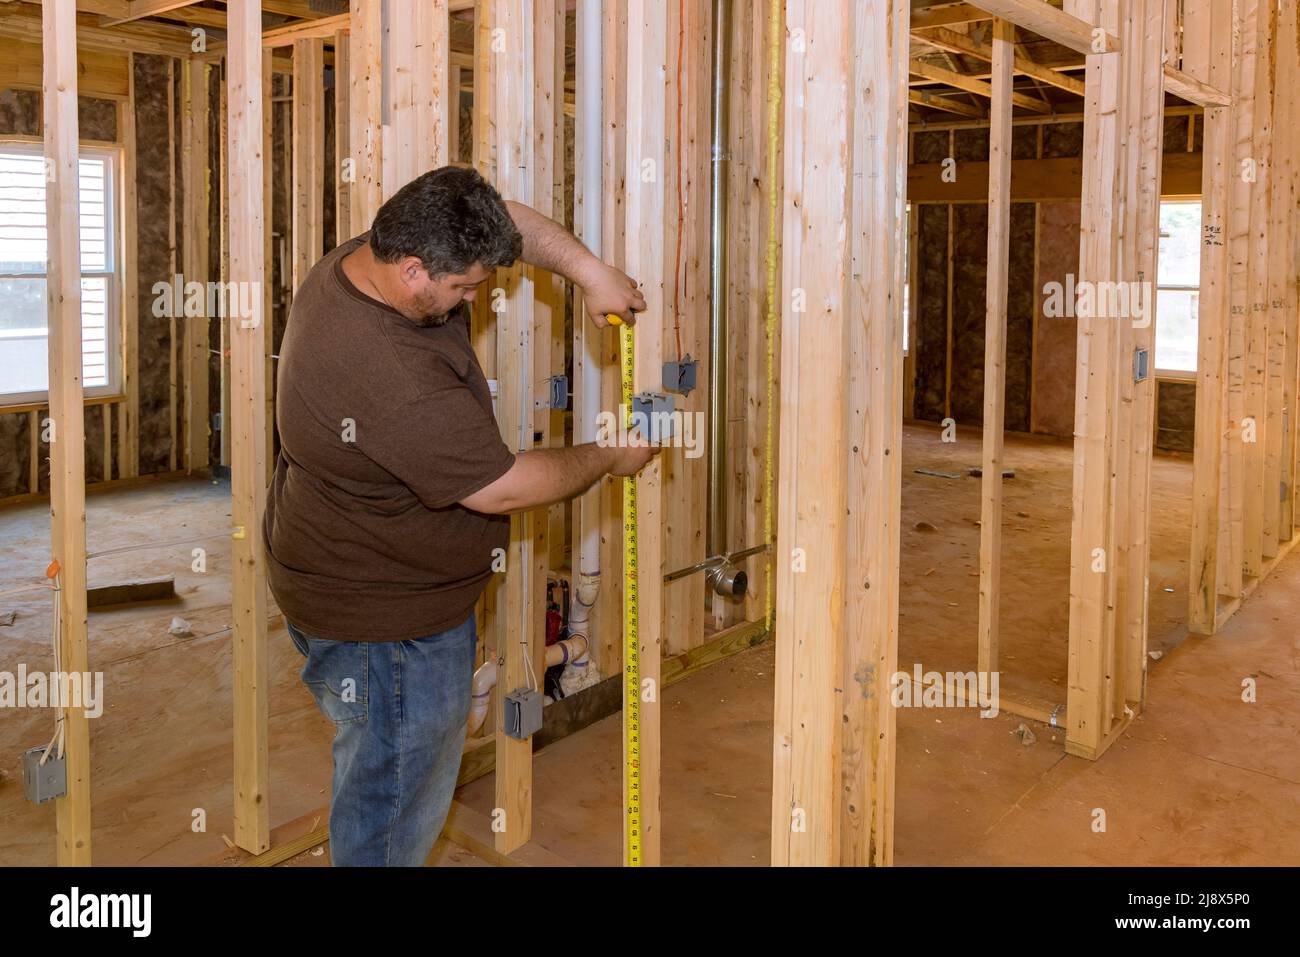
484 678
590 81
570 651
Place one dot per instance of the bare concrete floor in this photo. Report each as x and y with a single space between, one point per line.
1200 778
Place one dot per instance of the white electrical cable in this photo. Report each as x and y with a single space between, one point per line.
180 541
58 672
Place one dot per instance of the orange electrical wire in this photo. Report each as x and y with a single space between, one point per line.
681 215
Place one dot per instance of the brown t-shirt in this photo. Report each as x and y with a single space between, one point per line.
384 426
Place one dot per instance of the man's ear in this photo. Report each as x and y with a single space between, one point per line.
410 269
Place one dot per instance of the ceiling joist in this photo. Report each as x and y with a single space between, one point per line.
956 42
972 85
945 103
1039 17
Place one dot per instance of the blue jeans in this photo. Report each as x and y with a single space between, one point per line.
399 711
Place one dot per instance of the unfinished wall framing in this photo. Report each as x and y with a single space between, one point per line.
245 161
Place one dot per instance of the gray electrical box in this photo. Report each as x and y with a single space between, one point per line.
559 391
44 782
680 376
523 712
653 413
1141 365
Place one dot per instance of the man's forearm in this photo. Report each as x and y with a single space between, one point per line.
543 476
552 247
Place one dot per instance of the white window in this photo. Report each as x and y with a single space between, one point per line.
24 331
1179 293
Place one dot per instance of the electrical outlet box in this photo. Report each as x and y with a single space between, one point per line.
680 376
1141 365
44 782
653 413
559 391
523 708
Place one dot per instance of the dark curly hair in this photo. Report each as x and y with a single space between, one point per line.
450 218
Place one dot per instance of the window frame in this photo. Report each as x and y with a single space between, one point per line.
115 291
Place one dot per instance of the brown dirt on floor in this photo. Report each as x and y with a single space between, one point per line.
1200 778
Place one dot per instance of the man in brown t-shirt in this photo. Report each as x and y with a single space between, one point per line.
393 486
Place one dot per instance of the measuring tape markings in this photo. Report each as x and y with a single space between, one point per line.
631 629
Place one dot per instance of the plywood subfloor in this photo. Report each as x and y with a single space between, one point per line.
940 557
162 749
968 791
1202 778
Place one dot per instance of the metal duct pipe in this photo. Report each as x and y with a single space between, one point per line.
717 531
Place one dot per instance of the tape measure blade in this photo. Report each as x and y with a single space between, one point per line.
631 622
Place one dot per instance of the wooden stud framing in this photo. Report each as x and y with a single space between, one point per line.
645 258
308 156
1113 411
128 422
1214 65
342 140
1283 305
365 111
416 70
1254 169
1273 293
248 444
67 448
948 297
837 583
1093 532
995 344
607 617
172 369
268 293
520 605
483 327
548 36
1232 568
1142 228
223 359
874 433
686 278
194 185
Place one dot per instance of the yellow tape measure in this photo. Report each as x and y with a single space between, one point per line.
631 637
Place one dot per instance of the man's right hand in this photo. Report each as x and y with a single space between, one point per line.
634 456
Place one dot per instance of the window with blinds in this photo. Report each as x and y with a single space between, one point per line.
24 331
